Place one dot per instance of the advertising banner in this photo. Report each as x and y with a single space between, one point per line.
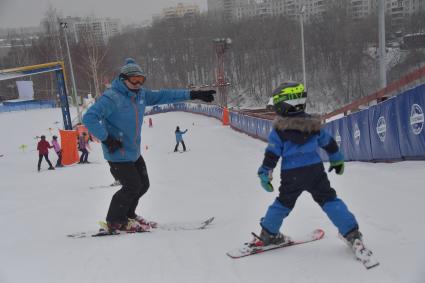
410 119
383 128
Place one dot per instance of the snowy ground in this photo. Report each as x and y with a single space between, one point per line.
217 177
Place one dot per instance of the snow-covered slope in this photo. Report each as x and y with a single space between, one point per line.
217 177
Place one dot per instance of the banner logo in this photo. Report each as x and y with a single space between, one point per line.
356 134
338 138
381 128
416 119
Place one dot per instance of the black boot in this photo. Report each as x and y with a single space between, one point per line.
271 239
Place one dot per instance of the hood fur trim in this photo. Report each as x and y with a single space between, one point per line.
307 124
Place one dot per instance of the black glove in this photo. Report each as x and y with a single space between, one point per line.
204 95
112 144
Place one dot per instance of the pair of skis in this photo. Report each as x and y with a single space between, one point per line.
175 226
361 253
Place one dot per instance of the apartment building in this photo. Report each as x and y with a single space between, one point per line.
101 29
181 10
238 9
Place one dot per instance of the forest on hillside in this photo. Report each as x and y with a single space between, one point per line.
341 56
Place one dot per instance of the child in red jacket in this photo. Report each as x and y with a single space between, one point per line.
43 150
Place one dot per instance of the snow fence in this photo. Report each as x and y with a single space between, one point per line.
23 105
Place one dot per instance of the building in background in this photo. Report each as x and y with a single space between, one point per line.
181 10
102 29
397 10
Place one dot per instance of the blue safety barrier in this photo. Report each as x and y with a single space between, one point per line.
410 123
391 130
384 134
357 136
9 106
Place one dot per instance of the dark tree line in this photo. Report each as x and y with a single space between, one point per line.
341 60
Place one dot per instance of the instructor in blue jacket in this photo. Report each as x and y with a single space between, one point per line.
116 119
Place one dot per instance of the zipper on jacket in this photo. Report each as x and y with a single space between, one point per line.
137 119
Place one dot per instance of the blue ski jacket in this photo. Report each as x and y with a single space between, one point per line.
296 140
179 135
119 113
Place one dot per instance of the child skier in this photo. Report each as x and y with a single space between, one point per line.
58 151
43 151
295 137
179 139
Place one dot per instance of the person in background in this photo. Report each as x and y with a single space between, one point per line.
82 146
58 151
43 151
150 122
179 139
116 119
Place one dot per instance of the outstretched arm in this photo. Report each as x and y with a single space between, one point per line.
164 96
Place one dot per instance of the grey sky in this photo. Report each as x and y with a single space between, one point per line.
24 13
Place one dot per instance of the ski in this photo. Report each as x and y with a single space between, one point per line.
179 151
172 226
251 248
103 186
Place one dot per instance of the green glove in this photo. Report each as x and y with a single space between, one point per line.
266 176
338 166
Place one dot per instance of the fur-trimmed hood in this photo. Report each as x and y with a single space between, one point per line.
306 124
298 129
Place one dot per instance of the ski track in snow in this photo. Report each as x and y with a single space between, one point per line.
216 178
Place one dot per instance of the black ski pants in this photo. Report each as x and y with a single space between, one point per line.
59 161
312 178
135 183
40 158
177 146
84 155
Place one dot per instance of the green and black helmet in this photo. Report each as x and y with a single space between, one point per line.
289 99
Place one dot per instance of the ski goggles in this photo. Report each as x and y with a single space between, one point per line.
137 80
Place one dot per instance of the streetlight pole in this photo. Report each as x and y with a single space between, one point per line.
381 26
64 25
302 44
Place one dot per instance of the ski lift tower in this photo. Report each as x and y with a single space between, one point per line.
220 47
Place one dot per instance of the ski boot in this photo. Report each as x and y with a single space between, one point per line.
144 222
354 240
131 226
267 238
352 236
51 168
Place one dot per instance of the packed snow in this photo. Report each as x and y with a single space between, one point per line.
217 177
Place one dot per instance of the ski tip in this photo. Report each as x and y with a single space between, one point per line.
372 266
318 233
209 220
206 223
